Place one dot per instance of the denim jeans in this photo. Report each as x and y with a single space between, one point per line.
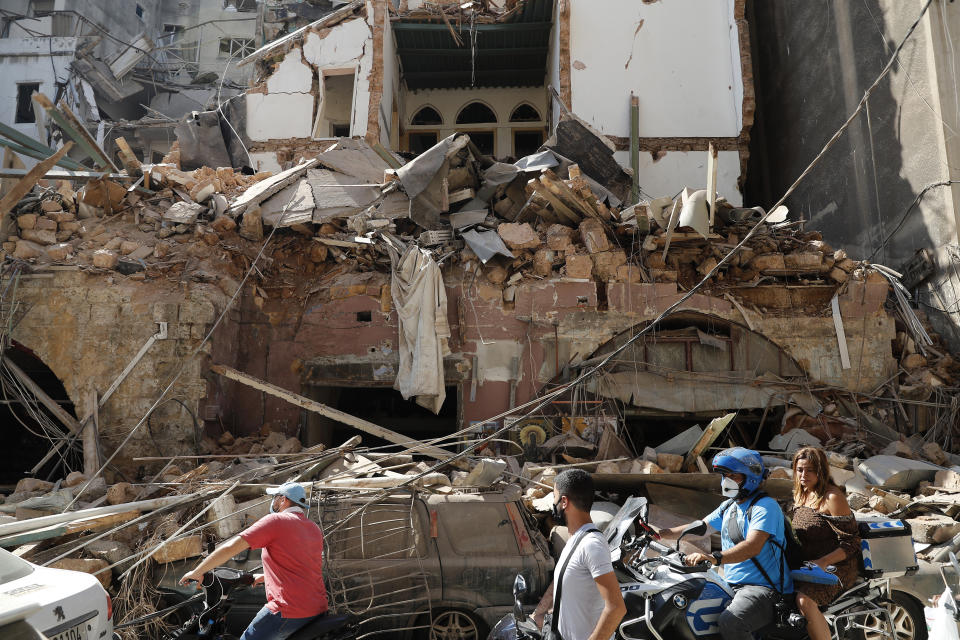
267 625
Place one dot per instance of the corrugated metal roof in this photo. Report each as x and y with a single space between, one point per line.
509 54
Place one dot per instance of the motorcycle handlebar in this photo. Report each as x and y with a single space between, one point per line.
680 567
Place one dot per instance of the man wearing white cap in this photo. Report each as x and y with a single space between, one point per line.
292 565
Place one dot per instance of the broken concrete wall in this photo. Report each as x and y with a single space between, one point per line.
87 331
290 104
285 109
31 60
697 99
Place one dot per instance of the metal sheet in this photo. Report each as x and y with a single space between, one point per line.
486 244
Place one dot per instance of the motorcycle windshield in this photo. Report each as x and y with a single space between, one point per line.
618 527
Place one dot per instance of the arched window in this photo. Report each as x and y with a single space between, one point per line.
426 116
476 113
525 113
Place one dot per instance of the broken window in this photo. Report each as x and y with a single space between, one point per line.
336 105
25 91
426 116
484 141
420 141
236 47
139 11
525 113
172 31
476 113
526 143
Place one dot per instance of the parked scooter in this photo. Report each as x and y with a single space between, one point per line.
216 599
667 599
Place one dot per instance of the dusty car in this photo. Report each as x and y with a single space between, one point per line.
418 565
63 605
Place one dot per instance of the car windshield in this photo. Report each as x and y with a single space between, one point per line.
12 567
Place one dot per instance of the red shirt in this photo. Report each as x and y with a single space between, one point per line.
292 563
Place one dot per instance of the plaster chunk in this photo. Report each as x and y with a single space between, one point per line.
292 75
278 116
343 44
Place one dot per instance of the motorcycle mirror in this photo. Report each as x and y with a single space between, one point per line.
519 589
519 586
697 528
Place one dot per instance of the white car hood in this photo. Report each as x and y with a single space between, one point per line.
74 593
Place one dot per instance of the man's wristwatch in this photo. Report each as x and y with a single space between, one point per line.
718 556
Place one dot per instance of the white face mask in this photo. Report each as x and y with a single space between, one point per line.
729 487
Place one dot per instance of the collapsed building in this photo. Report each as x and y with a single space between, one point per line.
418 222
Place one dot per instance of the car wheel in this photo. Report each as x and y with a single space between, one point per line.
907 616
451 624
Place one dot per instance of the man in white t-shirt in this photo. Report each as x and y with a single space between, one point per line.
591 606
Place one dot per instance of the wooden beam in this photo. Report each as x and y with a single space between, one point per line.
32 176
334 414
128 158
72 127
66 528
710 434
59 412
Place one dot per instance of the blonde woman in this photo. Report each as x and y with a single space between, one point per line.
827 532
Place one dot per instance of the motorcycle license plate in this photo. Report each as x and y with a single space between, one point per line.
78 632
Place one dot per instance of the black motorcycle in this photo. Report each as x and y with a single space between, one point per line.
215 601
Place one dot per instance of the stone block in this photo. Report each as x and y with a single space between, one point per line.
86 565
640 465
932 452
72 227
629 273
803 260
898 448
27 220
222 224
51 205
33 484
40 236
251 225
606 263
26 250
61 216
188 547
947 479
59 252
162 249
768 261
46 224
74 478
121 493
543 262
933 528
594 235
105 259
113 551
518 236
669 462
579 266
559 237
129 246
495 273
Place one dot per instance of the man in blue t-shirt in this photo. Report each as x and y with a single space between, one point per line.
751 532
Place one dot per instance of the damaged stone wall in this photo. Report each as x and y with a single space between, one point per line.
87 330
289 105
547 323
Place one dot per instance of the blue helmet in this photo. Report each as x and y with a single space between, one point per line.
745 461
